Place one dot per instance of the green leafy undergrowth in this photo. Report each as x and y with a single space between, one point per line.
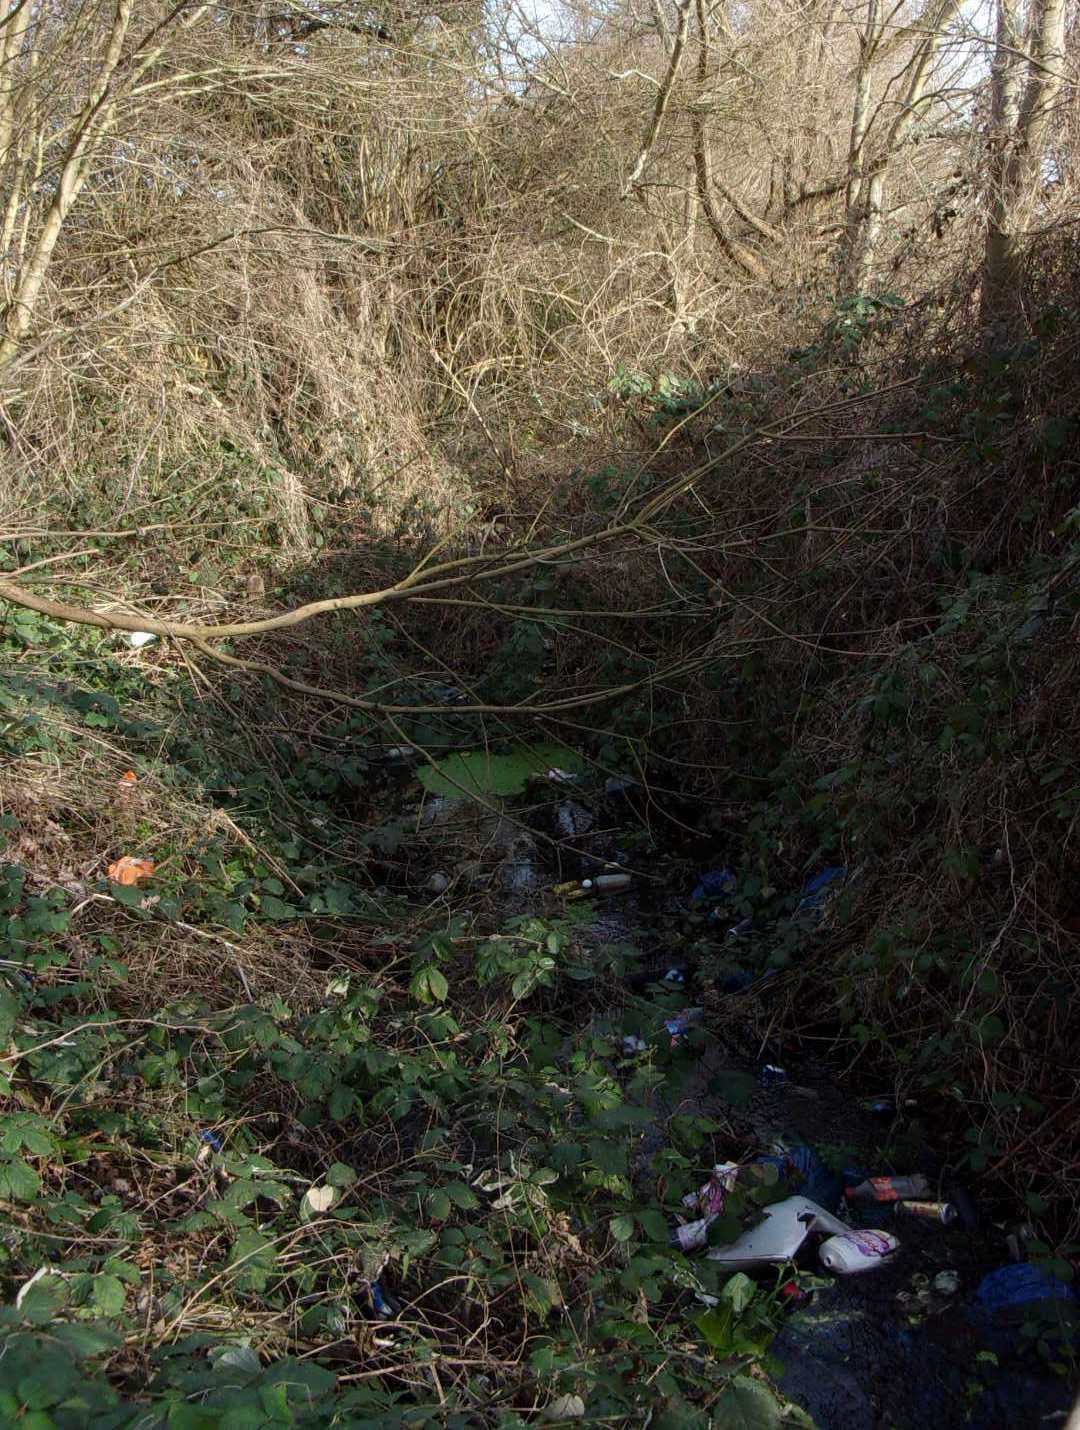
409 1200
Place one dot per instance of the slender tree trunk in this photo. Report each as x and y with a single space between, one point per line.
1024 92
735 252
868 163
91 125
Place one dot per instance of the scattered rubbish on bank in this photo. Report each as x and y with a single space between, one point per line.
674 975
397 754
619 785
1010 1287
137 639
772 1076
600 884
817 890
380 1302
888 1189
709 1201
887 1106
572 820
437 883
128 780
633 1044
785 1225
851 1252
1017 1240
209 1143
129 870
564 1407
713 884
679 1024
800 1168
780 1235
561 777
608 883
943 1212
947 1283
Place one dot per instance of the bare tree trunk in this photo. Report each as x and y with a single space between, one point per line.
91 125
1025 88
736 253
82 139
663 99
868 163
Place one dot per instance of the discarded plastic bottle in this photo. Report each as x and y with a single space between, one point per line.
772 1076
857 1251
608 883
602 884
944 1212
889 1189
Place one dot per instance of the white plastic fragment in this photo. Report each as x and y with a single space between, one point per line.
778 1237
137 639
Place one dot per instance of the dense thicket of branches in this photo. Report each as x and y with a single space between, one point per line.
518 283
340 232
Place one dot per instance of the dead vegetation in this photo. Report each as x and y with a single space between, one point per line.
694 386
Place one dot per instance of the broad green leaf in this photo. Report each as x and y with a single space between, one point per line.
109 1295
654 1224
340 1175
738 1292
746 1405
18 1181
438 1205
342 1103
274 908
622 1227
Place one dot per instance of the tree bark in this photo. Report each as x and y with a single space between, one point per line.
868 163
1024 91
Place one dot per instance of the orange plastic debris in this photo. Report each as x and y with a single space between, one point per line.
129 777
130 871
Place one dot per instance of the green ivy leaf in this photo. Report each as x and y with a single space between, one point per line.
622 1227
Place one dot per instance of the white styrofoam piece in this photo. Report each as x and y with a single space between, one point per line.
777 1238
